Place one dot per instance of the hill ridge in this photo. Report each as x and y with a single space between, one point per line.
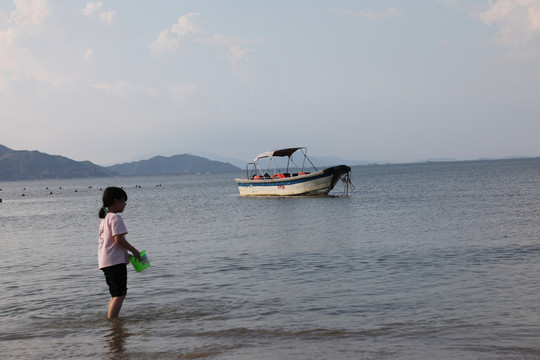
182 163
35 165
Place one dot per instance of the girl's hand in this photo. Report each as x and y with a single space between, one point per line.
136 254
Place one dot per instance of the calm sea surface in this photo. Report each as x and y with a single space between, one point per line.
419 261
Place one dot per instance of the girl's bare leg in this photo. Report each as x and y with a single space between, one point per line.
115 304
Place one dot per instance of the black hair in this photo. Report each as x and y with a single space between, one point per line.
109 195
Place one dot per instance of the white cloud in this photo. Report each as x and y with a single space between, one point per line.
107 16
29 11
92 8
189 32
21 34
188 28
8 35
534 18
187 24
89 54
518 21
95 10
165 42
27 15
170 40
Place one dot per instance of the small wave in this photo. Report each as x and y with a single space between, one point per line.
304 334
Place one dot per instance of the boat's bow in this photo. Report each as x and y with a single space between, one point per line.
339 172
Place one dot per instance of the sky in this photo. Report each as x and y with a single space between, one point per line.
114 81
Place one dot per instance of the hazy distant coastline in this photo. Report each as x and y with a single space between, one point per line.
33 165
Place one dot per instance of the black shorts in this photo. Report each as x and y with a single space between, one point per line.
116 277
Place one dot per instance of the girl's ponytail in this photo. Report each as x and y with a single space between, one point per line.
102 212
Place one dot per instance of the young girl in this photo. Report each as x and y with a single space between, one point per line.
113 247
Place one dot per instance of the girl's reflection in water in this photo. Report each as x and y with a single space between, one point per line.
116 338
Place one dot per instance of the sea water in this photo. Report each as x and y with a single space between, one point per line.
419 261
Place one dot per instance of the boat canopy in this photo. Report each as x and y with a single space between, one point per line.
281 153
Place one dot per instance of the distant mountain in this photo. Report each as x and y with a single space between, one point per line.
183 164
31 165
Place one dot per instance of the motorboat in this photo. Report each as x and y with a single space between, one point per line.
269 175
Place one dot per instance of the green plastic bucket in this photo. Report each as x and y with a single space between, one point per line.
140 265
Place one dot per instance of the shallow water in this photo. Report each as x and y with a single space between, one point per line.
419 261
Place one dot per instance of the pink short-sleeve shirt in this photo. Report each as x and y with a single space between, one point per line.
109 252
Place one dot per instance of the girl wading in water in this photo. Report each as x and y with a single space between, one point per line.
113 247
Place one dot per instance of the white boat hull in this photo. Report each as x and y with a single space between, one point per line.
317 183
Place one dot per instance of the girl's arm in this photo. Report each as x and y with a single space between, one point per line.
121 240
